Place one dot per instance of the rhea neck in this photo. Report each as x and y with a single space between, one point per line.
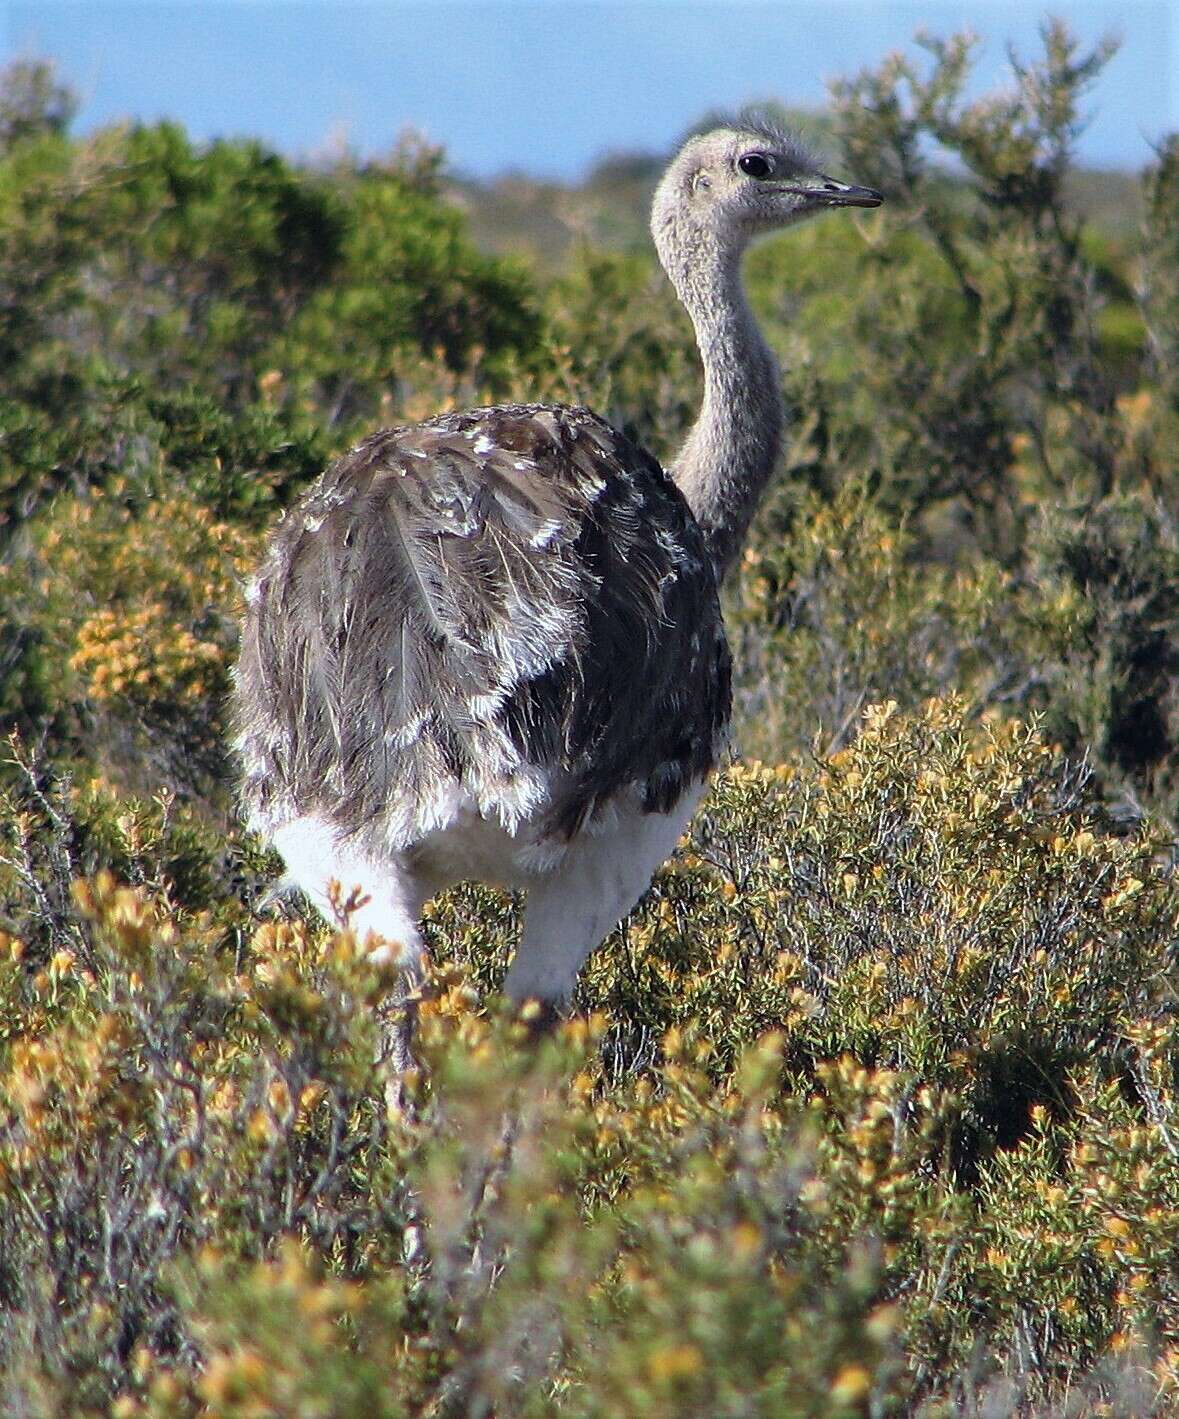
730 453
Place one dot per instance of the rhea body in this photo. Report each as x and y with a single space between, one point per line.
489 645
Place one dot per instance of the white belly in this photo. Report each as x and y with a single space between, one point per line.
577 890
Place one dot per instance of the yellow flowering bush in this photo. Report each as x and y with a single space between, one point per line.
870 1102
115 654
138 604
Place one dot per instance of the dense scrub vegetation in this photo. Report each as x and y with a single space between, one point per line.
871 1108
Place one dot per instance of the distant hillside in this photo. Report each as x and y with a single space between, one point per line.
1111 200
519 214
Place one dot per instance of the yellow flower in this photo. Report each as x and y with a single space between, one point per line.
745 1239
851 1384
674 1362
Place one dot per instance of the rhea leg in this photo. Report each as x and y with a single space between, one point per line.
390 900
598 881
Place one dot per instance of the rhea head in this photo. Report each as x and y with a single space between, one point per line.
734 183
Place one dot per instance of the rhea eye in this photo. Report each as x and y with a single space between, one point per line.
756 164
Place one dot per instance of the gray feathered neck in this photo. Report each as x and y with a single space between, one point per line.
732 449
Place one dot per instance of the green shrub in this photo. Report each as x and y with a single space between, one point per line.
1160 286
834 609
623 344
1105 617
410 284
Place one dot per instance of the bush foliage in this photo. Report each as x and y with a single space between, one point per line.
870 1108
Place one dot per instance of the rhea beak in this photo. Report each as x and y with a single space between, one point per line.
824 191
833 193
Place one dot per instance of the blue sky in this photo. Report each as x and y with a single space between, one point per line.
543 85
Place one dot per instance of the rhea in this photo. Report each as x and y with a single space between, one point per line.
489 646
